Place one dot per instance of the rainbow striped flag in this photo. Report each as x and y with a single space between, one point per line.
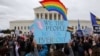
55 5
70 29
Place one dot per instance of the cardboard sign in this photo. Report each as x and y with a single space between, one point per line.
50 31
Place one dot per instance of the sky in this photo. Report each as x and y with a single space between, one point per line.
23 10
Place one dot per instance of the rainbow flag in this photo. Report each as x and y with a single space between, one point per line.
94 19
70 29
55 5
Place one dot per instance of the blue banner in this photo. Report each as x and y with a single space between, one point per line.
50 31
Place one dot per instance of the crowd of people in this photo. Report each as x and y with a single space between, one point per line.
26 46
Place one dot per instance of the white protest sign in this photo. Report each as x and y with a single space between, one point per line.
17 32
87 31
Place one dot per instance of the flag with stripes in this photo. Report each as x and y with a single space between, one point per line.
94 19
95 23
70 29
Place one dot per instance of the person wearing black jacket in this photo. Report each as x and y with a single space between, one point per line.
22 47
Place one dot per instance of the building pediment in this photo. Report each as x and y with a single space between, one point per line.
40 9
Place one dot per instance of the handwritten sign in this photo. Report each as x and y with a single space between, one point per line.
50 31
